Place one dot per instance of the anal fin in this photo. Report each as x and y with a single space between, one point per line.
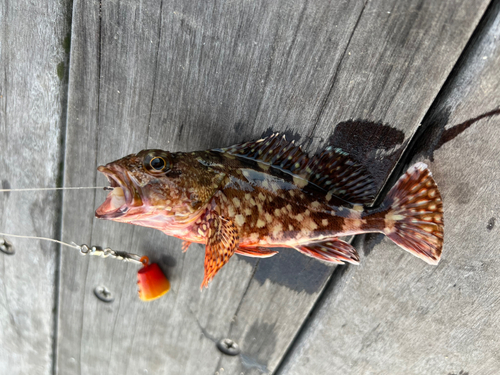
332 251
255 252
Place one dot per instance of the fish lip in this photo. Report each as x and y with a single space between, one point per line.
115 178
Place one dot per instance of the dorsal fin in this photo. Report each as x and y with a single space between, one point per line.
332 170
335 171
273 150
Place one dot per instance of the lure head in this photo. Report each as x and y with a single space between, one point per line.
156 188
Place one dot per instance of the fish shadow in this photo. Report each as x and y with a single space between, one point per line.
291 269
375 145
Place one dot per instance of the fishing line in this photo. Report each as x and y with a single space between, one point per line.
84 249
58 188
73 245
151 280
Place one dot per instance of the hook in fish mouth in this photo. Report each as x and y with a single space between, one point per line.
119 198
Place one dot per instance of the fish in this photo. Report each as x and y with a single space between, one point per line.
253 197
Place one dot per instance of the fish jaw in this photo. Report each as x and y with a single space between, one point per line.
121 198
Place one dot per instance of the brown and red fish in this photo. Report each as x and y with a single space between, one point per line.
252 197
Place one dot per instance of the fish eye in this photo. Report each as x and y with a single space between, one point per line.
157 163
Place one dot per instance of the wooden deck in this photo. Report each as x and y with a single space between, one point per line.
83 83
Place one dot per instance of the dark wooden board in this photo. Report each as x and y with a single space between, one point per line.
396 315
185 76
33 64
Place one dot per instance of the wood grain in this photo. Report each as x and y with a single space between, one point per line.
183 75
394 314
32 106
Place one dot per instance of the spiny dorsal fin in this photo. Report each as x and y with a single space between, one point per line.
273 150
335 171
332 170
221 243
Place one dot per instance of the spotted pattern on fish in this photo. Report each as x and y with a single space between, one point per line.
249 198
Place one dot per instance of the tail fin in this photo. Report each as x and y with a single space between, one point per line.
415 214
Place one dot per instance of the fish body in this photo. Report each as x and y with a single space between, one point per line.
252 197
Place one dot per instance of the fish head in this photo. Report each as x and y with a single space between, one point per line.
154 188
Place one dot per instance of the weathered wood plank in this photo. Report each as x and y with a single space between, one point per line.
32 105
182 76
81 140
395 315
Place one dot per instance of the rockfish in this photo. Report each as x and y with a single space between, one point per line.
252 197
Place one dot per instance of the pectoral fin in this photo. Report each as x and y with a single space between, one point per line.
221 244
332 251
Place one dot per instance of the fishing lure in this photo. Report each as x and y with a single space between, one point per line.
252 197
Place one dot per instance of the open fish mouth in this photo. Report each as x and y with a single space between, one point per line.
119 198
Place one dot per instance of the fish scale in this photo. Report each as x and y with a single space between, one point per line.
252 197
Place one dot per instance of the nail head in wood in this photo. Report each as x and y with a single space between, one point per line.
228 346
6 247
103 294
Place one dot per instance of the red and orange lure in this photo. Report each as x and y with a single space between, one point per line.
252 197
151 281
